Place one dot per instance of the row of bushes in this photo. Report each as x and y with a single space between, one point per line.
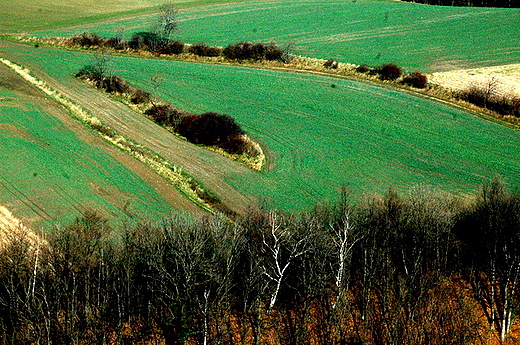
392 72
155 43
485 97
210 128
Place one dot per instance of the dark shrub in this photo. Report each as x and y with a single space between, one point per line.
363 68
250 51
90 72
273 52
331 63
116 43
389 71
140 96
164 114
147 40
113 84
234 145
187 128
201 49
88 40
475 94
175 48
415 79
209 128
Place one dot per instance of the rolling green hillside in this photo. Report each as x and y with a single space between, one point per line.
50 175
325 132
417 37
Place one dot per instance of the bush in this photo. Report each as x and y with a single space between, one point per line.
331 63
90 72
88 40
172 48
165 114
209 128
273 52
116 43
389 71
140 96
251 51
363 68
147 40
201 49
415 79
234 145
113 84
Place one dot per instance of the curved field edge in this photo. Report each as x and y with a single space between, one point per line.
415 36
317 125
190 188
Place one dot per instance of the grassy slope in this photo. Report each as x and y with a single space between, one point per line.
22 16
417 37
322 137
49 174
367 137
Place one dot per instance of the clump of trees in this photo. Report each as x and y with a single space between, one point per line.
486 95
415 79
212 129
392 72
425 269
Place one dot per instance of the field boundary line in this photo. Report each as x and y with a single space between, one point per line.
173 174
299 64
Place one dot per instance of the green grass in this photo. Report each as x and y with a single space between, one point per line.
325 132
50 175
417 37
23 16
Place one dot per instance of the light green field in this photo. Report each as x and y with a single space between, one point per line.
416 37
49 175
325 132
22 15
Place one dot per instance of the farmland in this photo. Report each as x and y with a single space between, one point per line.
417 37
320 132
54 169
323 132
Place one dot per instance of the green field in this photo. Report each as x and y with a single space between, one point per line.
49 175
417 37
325 132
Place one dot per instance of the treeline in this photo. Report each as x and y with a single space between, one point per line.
425 269
473 3
157 44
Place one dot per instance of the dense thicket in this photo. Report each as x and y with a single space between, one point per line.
475 3
426 269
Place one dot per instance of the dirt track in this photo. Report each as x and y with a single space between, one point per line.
206 167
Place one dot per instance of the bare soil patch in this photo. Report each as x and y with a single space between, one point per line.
507 78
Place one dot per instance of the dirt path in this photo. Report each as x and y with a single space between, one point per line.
507 78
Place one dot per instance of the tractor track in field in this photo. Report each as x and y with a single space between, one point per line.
207 168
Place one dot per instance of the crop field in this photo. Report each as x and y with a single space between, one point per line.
325 132
49 174
416 37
